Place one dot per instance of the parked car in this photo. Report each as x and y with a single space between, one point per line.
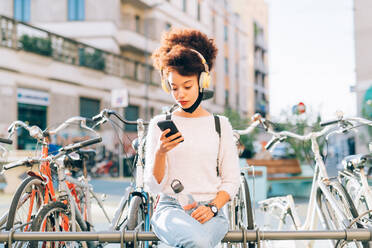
283 150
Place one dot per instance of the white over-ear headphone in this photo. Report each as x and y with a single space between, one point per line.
204 78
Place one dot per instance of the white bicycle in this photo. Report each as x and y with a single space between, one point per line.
329 202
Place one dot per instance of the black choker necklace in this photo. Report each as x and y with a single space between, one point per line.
195 105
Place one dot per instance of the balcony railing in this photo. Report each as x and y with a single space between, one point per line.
259 65
22 36
148 28
260 42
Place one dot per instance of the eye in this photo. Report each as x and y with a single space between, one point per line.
188 87
174 89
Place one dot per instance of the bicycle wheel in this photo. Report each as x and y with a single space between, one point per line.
25 204
243 209
353 187
331 219
55 217
137 213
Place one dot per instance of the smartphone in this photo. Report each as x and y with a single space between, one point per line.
163 125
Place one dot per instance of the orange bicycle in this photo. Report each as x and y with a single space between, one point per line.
37 188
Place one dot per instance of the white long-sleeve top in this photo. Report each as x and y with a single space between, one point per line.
194 161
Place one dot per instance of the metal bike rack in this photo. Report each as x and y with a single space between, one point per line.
232 236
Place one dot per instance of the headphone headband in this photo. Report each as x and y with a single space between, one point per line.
204 79
205 64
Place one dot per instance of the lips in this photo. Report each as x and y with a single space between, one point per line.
183 103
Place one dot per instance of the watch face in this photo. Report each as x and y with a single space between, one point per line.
214 209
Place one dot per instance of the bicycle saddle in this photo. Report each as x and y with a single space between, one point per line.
356 161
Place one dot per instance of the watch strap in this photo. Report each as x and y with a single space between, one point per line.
210 205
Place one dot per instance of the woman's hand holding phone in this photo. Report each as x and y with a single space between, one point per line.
168 143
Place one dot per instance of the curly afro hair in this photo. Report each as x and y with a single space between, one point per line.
175 54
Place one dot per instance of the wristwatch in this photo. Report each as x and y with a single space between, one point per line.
213 208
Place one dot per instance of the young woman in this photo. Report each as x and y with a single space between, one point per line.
205 164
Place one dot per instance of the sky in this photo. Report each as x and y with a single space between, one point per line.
311 56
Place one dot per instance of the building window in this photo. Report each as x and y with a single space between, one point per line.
22 10
88 108
214 24
237 70
168 26
138 24
34 115
226 65
226 97
236 40
214 90
184 5
237 101
76 10
226 33
198 10
131 113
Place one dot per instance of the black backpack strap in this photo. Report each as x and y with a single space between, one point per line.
168 117
217 125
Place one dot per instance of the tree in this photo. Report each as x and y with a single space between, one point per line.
240 123
300 124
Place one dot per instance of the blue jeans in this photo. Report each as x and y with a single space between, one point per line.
176 228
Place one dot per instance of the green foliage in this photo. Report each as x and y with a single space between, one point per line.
301 124
93 60
240 123
42 46
367 113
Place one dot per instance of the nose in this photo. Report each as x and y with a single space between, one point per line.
180 93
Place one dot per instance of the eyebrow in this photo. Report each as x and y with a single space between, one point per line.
187 81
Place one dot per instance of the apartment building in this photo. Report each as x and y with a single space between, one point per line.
66 61
363 64
254 16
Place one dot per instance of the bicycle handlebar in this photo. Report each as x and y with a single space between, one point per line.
327 123
272 142
6 141
257 119
81 120
63 151
105 114
28 162
34 131
77 146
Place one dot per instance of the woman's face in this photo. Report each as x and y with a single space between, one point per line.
185 89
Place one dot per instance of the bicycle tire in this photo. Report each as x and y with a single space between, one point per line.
49 219
353 186
345 202
244 211
24 208
136 218
247 203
